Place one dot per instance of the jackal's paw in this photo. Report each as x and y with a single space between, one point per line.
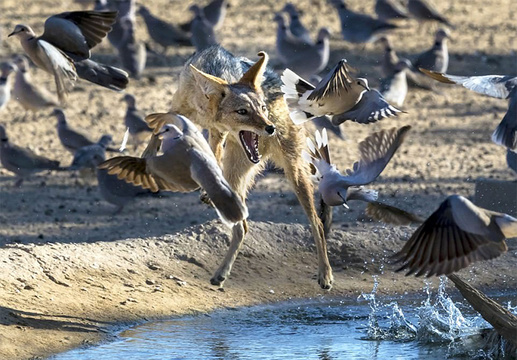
217 280
203 196
325 280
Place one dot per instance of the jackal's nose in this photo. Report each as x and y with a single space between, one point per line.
270 129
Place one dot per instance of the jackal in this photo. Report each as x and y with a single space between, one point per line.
242 106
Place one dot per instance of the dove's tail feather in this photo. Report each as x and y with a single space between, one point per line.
505 133
318 156
107 76
293 88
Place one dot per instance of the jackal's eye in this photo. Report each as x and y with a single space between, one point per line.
242 111
264 108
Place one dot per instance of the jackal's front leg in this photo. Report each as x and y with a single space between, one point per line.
239 172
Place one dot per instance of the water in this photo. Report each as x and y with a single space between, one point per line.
365 328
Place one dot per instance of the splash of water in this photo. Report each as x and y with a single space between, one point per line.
438 319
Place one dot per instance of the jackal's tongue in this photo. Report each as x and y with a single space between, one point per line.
249 142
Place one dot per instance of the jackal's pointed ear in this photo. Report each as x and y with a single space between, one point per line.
209 84
254 75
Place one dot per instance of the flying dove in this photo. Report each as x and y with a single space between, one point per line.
295 25
288 46
338 95
390 10
203 34
115 191
456 235
375 153
357 27
6 69
214 12
132 53
437 57
21 161
134 120
394 87
68 57
162 32
187 163
27 92
72 139
312 59
499 86
422 10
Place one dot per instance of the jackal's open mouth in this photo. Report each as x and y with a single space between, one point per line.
250 142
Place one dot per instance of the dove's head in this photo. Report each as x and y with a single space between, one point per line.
60 115
385 42
130 100
333 194
280 20
21 62
442 34
105 141
402 65
196 10
363 83
290 9
323 34
170 131
87 158
22 31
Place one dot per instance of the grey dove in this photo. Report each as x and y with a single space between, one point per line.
21 161
288 46
375 153
390 60
134 120
337 95
115 191
312 59
68 57
390 10
437 57
71 139
187 163
214 11
82 153
357 27
499 86
423 10
295 25
456 235
125 18
132 53
394 88
203 34
162 32
32 96
6 69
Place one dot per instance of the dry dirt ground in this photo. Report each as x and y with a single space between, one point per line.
70 272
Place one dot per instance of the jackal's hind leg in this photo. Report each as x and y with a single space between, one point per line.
298 176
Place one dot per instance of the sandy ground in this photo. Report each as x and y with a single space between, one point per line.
70 272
